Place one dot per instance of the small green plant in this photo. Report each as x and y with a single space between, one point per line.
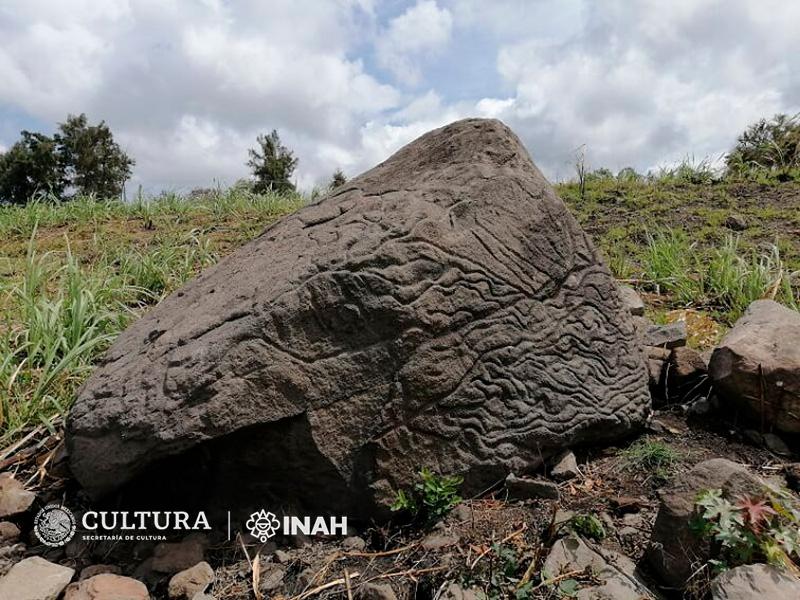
652 456
587 525
753 530
431 498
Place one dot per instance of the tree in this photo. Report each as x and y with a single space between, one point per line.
79 159
338 179
93 161
767 146
272 164
30 167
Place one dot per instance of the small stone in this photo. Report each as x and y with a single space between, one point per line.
172 557
792 473
92 570
631 300
282 557
354 544
563 516
35 579
184 585
628 532
271 577
686 376
522 488
107 586
375 591
9 533
463 513
437 541
626 504
203 596
735 222
699 407
566 468
305 578
753 582
776 444
456 592
672 335
14 498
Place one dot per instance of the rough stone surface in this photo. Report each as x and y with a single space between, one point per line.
686 377
443 309
523 488
675 550
671 335
171 557
107 586
14 498
755 582
186 584
456 592
375 591
735 222
756 367
92 570
35 579
566 467
354 544
632 300
617 573
9 533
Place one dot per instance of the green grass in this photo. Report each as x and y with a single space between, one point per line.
74 275
652 457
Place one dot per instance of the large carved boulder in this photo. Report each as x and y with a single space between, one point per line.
443 310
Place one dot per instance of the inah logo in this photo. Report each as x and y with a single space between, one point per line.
54 525
263 525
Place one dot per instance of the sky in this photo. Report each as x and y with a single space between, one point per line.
187 85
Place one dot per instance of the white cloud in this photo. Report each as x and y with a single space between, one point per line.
421 30
186 85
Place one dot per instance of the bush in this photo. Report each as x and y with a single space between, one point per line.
772 146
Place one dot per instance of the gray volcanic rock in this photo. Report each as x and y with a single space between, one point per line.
443 309
756 367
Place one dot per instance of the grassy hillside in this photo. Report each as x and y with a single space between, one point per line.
73 275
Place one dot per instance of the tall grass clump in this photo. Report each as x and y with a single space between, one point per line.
726 279
66 315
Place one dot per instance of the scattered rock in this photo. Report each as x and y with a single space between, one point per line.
107 586
631 300
203 596
432 284
672 335
626 504
523 488
756 367
186 584
35 579
271 577
354 544
305 578
735 222
282 557
675 550
456 592
14 498
437 541
463 513
776 444
755 582
172 557
9 533
566 467
92 570
687 377
616 572
375 591
792 474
